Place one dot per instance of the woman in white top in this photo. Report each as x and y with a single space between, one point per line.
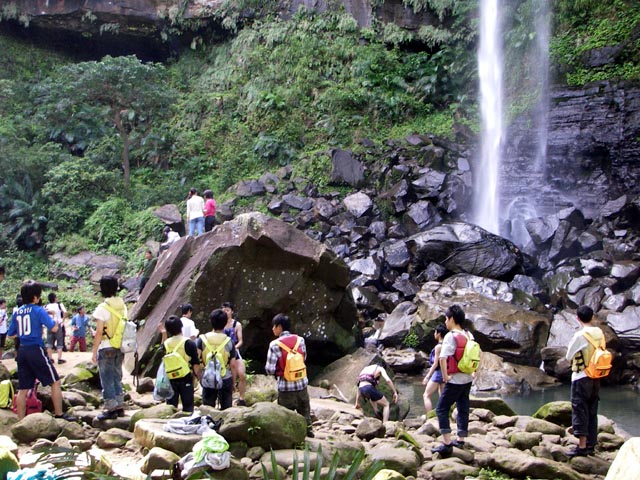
195 213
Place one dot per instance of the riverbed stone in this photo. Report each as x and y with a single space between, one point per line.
113 438
545 427
158 459
159 411
555 412
370 428
453 469
591 465
525 440
608 441
401 460
520 465
494 404
34 426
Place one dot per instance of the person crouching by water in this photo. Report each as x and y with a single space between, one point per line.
368 388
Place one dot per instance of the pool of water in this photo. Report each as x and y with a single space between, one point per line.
619 403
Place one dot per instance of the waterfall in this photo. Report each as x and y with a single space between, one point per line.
543 32
487 188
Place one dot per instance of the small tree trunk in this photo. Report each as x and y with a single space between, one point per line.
126 143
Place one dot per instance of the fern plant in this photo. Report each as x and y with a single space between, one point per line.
331 474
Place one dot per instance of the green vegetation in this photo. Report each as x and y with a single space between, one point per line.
88 148
585 27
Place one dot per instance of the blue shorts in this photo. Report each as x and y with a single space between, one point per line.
370 393
437 377
33 364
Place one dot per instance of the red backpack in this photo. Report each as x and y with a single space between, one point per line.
34 404
452 361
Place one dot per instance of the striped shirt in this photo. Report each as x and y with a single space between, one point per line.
273 358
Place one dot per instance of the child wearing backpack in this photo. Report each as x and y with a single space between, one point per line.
457 385
584 389
292 390
109 358
217 344
433 379
181 357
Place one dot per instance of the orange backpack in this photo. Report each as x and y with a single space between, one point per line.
599 365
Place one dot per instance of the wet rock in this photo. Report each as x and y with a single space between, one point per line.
542 229
465 248
555 412
626 325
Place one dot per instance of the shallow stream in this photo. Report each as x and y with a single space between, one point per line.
619 403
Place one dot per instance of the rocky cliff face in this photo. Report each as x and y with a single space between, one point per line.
153 29
592 152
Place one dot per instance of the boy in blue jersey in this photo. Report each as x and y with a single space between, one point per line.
33 362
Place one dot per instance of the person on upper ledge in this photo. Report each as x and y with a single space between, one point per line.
195 213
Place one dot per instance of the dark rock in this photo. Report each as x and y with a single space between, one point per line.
275 206
422 215
298 202
465 248
613 207
595 267
542 229
397 325
404 285
626 325
270 182
369 267
397 255
263 259
324 208
429 184
346 169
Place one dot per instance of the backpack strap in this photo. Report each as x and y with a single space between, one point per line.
216 350
181 343
593 342
287 349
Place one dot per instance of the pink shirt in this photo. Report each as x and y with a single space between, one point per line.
210 207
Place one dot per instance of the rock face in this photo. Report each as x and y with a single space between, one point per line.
592 146
264 267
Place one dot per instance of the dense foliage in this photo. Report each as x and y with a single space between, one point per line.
87 148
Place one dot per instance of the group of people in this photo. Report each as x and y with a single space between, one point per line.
201 212
454 386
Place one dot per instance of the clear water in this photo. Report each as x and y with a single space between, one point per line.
620 403
490 68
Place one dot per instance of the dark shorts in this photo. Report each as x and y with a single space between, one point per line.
370 393
55 339
3 340
33 364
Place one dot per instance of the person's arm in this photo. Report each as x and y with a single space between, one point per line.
357 404
443 367
97 338
238 329
434 365
577 343
162 330
272 359
393 388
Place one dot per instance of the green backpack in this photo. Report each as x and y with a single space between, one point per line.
6 394
470 360
174 364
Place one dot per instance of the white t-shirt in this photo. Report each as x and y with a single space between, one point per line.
3 320
172 237
189 329
373 370
195 207
57 314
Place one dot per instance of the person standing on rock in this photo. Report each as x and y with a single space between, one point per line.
291 394
585 391
206 344
33 363
185 347
79 324
238 371
108 358
367 388
195 213
56 339
189 329
433 380
148 266
209 211
457 385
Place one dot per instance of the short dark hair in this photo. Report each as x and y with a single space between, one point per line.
173 326
19 301
80 307
108 286
283 320
441 329
186 308
208 194
193 191
2 300
30 290
585 313
52 297
218 319
228 305
456 312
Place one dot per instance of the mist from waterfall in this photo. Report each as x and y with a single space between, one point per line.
487 188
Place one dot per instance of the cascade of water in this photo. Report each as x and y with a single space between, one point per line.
487 193
543 31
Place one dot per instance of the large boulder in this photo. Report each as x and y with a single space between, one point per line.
510 331
264 266
627 326
498 376
465 248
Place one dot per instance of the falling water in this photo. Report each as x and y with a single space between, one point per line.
543 30
487 193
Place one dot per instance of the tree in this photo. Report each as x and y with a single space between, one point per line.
80 103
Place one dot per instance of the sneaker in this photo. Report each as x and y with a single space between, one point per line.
112 415
444 450
310 434
241 403
61 360
119 412
458 443
67 417
578 452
